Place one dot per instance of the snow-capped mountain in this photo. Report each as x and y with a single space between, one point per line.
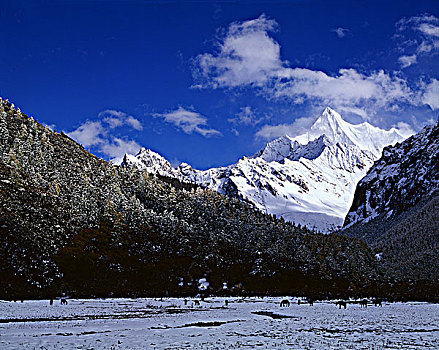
150 161
309 179
405 174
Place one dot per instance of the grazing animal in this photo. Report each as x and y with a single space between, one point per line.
197 302
63 302
341 303
285 303
363 303
377 302
310 302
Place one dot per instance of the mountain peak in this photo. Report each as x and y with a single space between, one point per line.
150 161
330 120
330 124
365 136
328 111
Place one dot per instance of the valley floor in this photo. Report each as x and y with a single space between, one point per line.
244 323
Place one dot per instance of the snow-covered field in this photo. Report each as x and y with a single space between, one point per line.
244 323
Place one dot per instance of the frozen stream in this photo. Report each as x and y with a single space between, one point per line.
169 324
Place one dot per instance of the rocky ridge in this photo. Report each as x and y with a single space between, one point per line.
405 174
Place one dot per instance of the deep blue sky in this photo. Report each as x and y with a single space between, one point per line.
173 76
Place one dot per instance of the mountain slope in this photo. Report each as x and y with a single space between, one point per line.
395 208
72 223
309 179
405 174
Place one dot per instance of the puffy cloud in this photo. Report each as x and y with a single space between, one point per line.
248 57
188 121
117 118
348 88
341 32
89 133
98 134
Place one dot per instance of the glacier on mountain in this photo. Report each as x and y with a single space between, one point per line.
309 179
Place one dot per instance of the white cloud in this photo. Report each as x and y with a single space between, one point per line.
98 134
407 61
134 123
246 116
298 127
405 129
431 94
356 111
341 32
50 126
248 57
427 42
348 89
416 22
188 121
116 148
112 112
429 29
116 119
89 134
113 118
113 122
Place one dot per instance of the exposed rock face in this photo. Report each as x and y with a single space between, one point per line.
405 174
396 207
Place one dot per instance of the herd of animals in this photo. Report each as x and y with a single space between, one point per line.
283 303
340 303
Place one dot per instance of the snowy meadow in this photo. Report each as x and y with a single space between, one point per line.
173 323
